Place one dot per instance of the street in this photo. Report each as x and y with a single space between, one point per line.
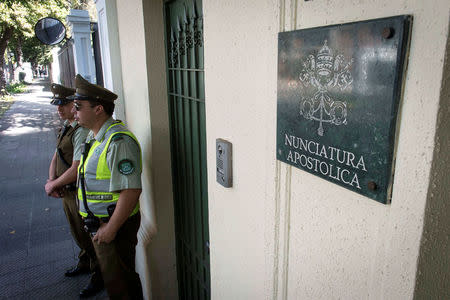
36 246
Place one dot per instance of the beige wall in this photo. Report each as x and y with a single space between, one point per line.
161 252
240 89
433 276
137 115
285 233
142 57
110 52
280 232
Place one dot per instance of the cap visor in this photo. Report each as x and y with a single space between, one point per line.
59 101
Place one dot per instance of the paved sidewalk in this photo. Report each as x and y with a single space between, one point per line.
36 246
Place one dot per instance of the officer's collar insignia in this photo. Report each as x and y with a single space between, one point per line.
126 167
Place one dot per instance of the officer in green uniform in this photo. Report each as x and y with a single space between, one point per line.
62 184
109 186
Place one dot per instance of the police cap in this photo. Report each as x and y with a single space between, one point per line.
88 91
61 94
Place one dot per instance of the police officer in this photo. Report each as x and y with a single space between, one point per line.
61 184
109 186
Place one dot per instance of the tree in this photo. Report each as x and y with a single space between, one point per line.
36 53
17 20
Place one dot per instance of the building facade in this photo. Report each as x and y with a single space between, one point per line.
278 232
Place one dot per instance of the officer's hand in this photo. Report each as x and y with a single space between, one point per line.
57 194
49 187
104 234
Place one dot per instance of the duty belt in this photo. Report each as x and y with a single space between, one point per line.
104 219
71 187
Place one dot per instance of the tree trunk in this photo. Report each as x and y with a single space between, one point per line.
50 72
11 70
4 38
2 73
34 67
18 51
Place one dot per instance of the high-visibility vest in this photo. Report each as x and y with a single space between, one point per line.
97 174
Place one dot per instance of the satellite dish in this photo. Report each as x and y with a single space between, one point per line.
50 31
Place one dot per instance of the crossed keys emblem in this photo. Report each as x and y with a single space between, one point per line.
324 71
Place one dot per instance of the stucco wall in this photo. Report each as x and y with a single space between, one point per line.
142 47
240 89
138 118
433 276
110 52
161 253
281 232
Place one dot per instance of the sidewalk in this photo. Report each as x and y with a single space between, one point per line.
36 246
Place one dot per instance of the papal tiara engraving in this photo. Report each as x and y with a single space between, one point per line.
325 71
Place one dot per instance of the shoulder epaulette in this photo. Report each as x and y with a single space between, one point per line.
117 137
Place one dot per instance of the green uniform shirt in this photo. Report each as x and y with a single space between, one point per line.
121 149
78 139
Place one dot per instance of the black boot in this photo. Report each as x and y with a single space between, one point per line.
75 271
91 289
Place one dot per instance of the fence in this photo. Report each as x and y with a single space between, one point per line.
67 64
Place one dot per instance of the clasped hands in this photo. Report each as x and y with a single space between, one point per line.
52 190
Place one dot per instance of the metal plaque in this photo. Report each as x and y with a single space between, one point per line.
339 89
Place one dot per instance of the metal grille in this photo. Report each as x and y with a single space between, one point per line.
184 38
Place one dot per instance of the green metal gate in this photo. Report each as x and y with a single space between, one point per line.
184 44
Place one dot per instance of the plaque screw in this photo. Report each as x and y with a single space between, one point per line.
388 32
372 185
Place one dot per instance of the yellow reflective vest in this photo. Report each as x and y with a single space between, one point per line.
97 174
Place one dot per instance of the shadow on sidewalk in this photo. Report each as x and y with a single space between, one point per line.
36 246
31 111
45 82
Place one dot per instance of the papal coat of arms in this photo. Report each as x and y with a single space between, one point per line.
325 71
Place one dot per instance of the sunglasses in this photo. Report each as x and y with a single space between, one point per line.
78 106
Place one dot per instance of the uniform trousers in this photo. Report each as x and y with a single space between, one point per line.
117 261
86 258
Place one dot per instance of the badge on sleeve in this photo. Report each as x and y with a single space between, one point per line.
126 167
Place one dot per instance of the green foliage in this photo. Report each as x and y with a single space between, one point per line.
22 15
36 52
5 103
16 88
17 21
6 98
